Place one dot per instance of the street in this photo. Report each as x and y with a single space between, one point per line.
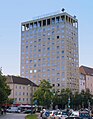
13 116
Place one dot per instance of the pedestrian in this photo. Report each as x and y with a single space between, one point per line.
5 110
2 111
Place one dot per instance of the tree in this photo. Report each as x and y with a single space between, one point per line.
4 89
86 97
62 98
43 95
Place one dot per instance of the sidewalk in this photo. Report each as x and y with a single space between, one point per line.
38 114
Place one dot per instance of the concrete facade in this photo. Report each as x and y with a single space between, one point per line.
49 50
22 89
82 83
86 74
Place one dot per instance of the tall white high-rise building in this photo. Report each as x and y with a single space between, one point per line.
49 50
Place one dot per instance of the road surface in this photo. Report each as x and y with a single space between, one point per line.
13 116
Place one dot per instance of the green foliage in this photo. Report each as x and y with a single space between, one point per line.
4 89
10 100
33 116
44 95
77 100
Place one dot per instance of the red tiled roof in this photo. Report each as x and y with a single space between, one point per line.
19 80
86 70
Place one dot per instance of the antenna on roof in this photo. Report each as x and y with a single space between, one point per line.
63 10
74 16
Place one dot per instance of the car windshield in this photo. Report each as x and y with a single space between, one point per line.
64 113
84 115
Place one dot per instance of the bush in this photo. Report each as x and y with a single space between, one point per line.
33 116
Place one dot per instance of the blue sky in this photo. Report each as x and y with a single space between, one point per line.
12 13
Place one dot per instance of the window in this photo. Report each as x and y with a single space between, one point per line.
19 99
19 87
22 38
63 52
39 50
63 68
30 71
34 65
44 22
62 57
39 40
57 47
58 79
57 37
58 84
48 21
53 20
23 93
26 46
52 32
53 85
35 71
58 57
48 48
19 93
16 93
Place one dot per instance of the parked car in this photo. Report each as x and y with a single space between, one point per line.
28 111
45 114
91 113
64 114
53 114
13 110
75 114
84 115
59 114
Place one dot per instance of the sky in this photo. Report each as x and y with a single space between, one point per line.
14 12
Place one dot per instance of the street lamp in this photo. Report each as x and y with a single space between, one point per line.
30 86
69 103
89 105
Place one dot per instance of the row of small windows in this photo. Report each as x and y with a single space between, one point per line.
53 80
22 99
31 35
23 38
41 42
23 87
43 23
23 93
44 59
58 85
48 72
49 21
48 60
58 28
45 47
47 50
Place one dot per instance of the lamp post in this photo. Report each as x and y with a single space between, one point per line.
69 103
89 105
30 89
32 94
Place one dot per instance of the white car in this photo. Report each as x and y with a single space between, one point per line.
75 114
13 110
64 115
53 114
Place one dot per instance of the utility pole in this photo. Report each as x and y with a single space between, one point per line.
69 103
